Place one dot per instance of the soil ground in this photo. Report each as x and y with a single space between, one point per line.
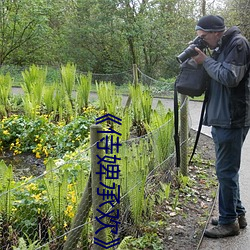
187 224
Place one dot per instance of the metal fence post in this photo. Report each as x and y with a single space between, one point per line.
96 199
184 135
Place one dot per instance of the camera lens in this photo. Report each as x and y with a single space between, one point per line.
190 51
187 53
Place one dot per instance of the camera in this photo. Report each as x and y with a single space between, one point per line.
190 51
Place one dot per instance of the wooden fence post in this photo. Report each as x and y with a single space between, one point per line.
80 218
89 197
135 74
135 82
95 167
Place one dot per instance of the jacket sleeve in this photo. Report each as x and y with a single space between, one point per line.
234 66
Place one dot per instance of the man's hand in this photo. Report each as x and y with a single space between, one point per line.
200 58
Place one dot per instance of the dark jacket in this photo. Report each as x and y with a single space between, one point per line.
228 103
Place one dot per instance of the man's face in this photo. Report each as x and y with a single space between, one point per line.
211 38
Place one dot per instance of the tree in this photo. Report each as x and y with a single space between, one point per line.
20 22
32 31
94 39
237 13
102 36
111 35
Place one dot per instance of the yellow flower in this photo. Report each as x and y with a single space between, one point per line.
26 178
37 196
6 132
69 211
102 112
17 152
45 151
38 156
73 199
14 209
31 187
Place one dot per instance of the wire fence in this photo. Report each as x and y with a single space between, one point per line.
68 207
158 87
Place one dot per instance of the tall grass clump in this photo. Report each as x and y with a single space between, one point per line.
62 105
34 80
48 97
135 168
6 184
161 129
68 74
141 106
5 90
83 91
109 100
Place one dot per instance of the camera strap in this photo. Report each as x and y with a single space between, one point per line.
199 127
176 126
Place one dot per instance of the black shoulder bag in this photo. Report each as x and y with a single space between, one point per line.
191 81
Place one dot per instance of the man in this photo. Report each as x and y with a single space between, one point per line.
228 112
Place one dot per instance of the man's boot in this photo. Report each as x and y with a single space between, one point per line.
221 231
241 219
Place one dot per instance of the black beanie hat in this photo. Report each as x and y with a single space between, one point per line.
211 23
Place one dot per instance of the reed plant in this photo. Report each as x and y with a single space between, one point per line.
141 106
160 130
62 106
137 175
105 91
135 92
7 232
34 80
56 184
5 90
126 126
30 108
83 90
135 159
68 74
48 98
146 101
109 100
6 184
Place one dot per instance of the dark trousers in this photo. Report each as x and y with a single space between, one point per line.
228 145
